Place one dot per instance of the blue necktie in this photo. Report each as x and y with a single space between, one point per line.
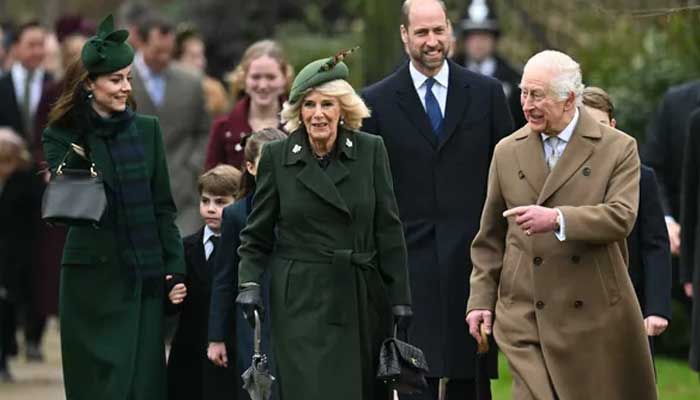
432 107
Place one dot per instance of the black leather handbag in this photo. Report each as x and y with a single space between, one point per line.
74 196
402 366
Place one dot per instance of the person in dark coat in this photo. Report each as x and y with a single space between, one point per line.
19 203
190 374
664 151
690 234
325 216
476 51
113 277
440 172
226 320
649 254
260 83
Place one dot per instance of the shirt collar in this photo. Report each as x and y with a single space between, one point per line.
143 69
19 72
419 78
565 135
208 233
486 67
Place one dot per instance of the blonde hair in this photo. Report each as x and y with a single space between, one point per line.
12 146
352 107
270 48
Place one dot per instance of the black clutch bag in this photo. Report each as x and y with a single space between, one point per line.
74 196
402 366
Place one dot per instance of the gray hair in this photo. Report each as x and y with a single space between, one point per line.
567 74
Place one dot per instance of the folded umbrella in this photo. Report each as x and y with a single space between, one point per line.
257 380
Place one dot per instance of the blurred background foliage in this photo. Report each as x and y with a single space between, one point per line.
635 49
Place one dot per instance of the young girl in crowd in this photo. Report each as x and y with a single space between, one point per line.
260 83
225 285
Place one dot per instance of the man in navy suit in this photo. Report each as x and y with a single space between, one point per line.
649 251
440 124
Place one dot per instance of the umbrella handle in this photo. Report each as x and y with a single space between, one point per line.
258 333
483 347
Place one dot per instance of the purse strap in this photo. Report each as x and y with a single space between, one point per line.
59 170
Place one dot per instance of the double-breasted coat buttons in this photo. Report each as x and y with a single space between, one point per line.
586 171
578 304
539 305
537 260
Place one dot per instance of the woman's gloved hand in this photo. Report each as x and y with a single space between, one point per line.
250 299
402 316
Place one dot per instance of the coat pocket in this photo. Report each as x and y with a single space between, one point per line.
509 272
606 272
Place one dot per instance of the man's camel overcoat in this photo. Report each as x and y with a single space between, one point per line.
566 315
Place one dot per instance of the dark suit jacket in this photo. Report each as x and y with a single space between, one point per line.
663 150
440 187
649 254
190 373
690 233
10 114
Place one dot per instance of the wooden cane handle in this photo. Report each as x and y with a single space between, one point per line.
483 347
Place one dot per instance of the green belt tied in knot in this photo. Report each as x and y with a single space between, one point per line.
347 267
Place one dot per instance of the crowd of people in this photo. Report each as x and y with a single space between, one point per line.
454 194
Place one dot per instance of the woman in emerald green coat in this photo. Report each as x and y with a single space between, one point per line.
112 277
324 210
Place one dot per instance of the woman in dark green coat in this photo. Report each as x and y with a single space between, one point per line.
324 210
112 277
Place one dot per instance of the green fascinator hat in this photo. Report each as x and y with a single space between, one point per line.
319 72
108 50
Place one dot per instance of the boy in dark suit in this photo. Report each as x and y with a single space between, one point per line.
190 373
649 255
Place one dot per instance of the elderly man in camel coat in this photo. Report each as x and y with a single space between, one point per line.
550 259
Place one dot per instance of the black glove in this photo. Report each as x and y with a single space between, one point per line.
250 299
402 316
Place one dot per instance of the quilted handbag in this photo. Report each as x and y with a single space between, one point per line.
402 366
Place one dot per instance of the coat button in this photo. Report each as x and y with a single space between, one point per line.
578 304
539 305
576 259
586 171
537 260
521 175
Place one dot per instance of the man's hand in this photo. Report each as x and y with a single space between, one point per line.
688 289
217 354
534 219
476 318
655 325
674 237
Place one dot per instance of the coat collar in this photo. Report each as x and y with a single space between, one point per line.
322 183
530 156
455 109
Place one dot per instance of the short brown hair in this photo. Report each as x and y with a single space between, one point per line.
599 99
406 10
222 180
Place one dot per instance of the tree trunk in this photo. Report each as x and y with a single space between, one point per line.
382 50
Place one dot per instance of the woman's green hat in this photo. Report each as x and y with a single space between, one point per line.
319 72
108 50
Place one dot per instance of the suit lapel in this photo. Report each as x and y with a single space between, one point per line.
197 257
412 107
141 94
321 183
457 103
577 151
530 157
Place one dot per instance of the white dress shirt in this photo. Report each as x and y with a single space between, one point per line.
439 88
208 245
564 138
486 67
19 75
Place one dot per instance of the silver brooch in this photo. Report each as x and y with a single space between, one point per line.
238 147
227 134
348 142
296 149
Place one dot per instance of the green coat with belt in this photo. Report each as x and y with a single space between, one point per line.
338 263
112 325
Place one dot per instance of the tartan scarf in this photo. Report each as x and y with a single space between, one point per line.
133 211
